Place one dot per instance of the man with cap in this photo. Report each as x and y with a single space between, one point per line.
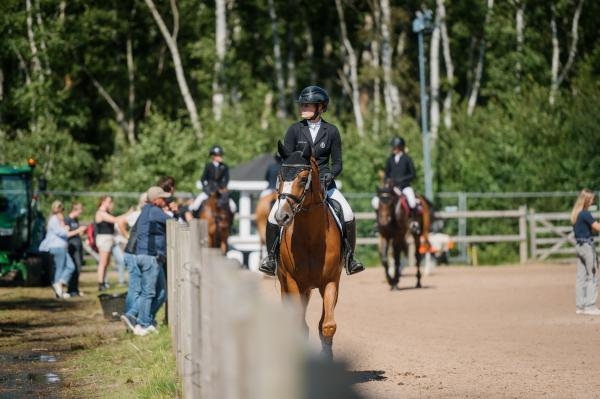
150 255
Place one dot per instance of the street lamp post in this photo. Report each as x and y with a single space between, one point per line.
421 25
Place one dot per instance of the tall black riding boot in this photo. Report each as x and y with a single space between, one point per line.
269 264
352 265
415 227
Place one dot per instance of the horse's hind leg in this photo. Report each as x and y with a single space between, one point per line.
327 324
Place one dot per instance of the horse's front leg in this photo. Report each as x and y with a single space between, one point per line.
290 293
384 245
418 258
397 266
327 324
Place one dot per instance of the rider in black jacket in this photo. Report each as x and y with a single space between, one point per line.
325 143
401 170
214 177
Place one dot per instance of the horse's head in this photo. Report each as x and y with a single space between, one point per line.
387 204
296 176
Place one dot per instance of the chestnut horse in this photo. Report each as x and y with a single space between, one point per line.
216 212
261 215
311 243
393 226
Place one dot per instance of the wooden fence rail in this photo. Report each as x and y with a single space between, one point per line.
228 341
520 236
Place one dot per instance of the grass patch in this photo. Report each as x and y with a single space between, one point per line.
135 367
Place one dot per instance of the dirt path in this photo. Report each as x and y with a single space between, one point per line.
38 333
488 332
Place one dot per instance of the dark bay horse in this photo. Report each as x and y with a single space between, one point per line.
311 242
216 212
393 226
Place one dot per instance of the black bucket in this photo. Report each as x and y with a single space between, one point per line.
113 305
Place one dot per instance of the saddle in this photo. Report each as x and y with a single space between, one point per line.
338 214
406 208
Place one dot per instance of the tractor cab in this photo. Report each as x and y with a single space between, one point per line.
21 225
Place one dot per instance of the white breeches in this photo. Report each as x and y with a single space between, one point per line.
203 197
410 196
408 193
266 192
333 193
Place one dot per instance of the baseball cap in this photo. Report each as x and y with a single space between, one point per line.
155 192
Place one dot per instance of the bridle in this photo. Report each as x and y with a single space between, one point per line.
387 198
297 201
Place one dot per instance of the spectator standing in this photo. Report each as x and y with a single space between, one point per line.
105 236
134 288
56 243
75 247
151 253
586 280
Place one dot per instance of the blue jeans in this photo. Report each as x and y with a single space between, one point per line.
153 293
118 256
63 265
134 287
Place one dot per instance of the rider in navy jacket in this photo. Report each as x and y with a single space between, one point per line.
326 147
325 144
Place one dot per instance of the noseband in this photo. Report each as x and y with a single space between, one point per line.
297 201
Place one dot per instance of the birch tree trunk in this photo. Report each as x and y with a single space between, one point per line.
434 78
160 66
119 114
448 64
44 48
221 48
393 107
519 28
179 73
131 97
557 78
62 6
555 53
281 112
353 70
36 66
375 64
291 82
479 68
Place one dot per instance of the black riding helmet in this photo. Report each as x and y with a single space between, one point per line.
314 95
397 142
215 150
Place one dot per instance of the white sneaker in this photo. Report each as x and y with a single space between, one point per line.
579 311
592 311
141 331
152 329
58 291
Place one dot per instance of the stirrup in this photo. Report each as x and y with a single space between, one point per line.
353 266
268 265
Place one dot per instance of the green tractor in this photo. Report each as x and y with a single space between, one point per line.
22 228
